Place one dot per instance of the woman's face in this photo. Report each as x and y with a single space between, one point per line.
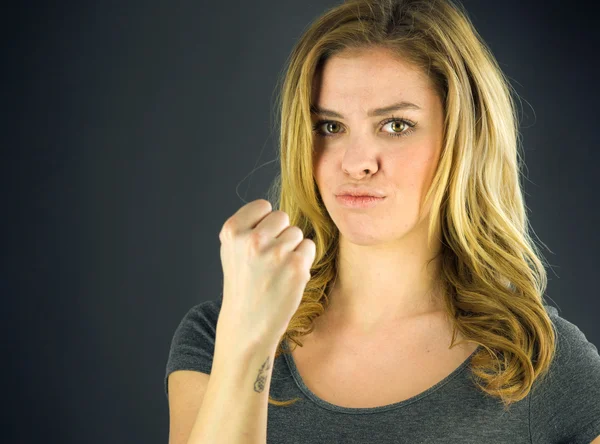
395 151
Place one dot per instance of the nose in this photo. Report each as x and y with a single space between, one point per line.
359 161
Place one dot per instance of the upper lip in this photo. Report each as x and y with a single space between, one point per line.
359 191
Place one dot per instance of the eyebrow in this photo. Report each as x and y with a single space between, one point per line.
315 109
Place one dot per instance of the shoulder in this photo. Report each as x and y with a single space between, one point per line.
193 343
564 403
207 311
576 357
573 349
200 320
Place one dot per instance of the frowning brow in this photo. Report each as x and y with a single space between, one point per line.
315 109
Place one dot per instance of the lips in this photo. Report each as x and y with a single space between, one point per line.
360 192
359 201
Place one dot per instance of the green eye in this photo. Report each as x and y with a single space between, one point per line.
406 127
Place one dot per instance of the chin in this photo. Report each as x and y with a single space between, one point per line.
359 235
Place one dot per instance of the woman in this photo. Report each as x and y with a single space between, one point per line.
422 318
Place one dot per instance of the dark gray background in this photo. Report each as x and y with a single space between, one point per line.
128 127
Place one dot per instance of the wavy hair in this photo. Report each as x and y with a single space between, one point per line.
492 274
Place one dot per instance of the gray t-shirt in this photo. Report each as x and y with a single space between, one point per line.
565 408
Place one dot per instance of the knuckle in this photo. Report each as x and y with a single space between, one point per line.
256 240
265 203
279 252
227 230
297 262
282 215
296 231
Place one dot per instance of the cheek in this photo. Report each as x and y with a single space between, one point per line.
412 170
321 164
427 166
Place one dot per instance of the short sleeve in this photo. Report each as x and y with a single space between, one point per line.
565 405
193 343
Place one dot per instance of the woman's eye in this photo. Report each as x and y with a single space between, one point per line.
398 127
329 126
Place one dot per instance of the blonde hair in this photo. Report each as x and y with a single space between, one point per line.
492 273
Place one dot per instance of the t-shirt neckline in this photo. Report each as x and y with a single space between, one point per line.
360 410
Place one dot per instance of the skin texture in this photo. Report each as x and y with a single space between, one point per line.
383 277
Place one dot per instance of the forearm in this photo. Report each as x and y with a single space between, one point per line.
234 407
